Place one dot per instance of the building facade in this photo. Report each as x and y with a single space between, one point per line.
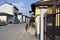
20 17
24 18
48 11
10 9
27 19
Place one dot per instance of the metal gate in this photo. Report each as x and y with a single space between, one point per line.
51 31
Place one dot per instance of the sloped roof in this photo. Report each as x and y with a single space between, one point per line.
46 3
9 4
19 13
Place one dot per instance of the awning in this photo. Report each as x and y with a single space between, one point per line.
2 13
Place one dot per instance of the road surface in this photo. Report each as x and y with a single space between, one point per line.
15 32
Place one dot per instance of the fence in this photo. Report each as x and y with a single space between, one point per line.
51 30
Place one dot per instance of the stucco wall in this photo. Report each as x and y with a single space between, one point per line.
49 10
37 10
23 18
7 9
3 18
20 18
15 15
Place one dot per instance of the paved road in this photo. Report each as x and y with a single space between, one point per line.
15 32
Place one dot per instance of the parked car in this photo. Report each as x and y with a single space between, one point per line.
2 23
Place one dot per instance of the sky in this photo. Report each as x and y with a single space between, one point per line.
24 6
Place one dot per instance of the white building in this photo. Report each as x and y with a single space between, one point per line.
11 10
27 19
20 17
24 18
4 17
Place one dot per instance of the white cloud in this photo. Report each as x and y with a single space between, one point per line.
21 7
20 4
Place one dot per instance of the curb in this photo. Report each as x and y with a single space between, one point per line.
6 26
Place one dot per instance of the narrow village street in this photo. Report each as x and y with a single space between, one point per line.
15 32
29 19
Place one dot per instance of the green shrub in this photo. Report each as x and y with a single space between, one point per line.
32 19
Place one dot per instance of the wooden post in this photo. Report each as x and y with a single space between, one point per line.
53 22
